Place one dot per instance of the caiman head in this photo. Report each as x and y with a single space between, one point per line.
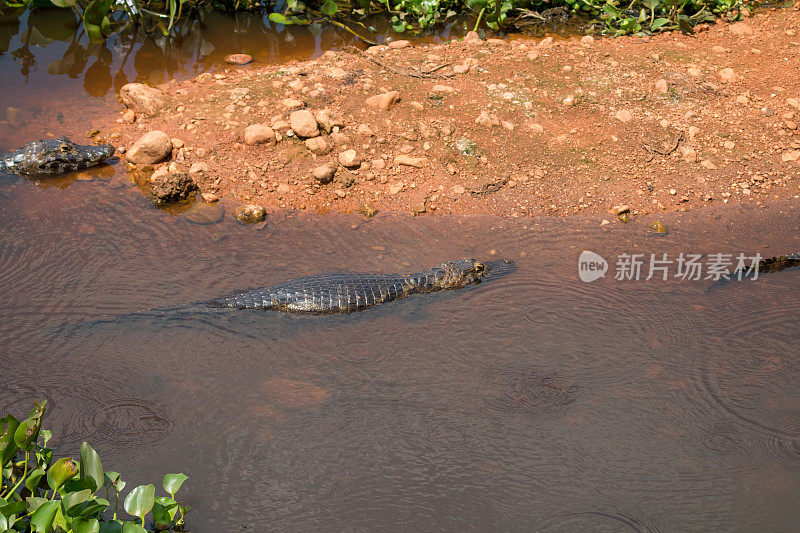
459 273
54 156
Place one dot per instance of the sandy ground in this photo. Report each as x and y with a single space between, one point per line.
516 127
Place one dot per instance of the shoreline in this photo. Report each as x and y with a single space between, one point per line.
525 127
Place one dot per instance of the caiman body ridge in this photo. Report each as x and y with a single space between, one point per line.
345 292
53 156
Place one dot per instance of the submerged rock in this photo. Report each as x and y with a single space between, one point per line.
172 187
250 214
204 213
658 227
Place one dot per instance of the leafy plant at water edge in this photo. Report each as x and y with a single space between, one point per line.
41 495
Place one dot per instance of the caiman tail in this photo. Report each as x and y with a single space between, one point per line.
765 266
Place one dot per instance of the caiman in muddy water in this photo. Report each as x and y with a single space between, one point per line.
345 292
53 156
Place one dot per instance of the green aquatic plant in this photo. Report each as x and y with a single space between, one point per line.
70 495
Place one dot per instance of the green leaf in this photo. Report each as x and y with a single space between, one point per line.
399 26
85 525
140 500
13 508
31 504
8 448
32 482
61 471
42 519
161 516
657 23
130 527
169 505
111 526
329 8
73 499
93 17
173 482
63 3
278 18
91 467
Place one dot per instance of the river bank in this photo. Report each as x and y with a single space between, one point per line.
517 127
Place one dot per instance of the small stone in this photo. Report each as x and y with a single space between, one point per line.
459 189
204 213
508 125
487 119
741 28
129 116
350 159
695 72
394 45
708 164
259 134
793 102
396 188
790 155
569 100
177 143
365 130
328 120
417 162
210 197
145 100
620 209
198 167
250 214
383 101
661 86
742 99
368 210
319 145
728 75
340 193
283 188
536 128
623 115
151 148
587 40
238 59
693 131
292 103
378 164
729 145
446 89
658 227
303 123
171 187
324 173
673 192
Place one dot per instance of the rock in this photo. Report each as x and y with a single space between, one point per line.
145 100
324 173
210 197
790 155
396 188
620 209
729 145
365 130
394 45
336 72
587 40
407 160
171 187
695 72
742 99
793 102
378 164
688 154
303 123
708 164
427 131
728 75
383 101
446 89
341 193
661 86
741 28
466 66
658 227
238 59
368 210
472 36
546 42
693 131
487 119
259 134
623 115
204 213
250 214
151 148
129 116
328 120
319 145
459 189
292 103
177 143
536 128
350 159
198 167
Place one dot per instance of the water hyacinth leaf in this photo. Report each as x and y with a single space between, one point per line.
31 504
95 20
8 448
85 525
61 471
63 3
73 499
32 482
161 516
168 504
658 23
27 433
91 468
42 519
12 509
77 485
140 500
278 18
173 482
111 526
130 527
93 508
329 8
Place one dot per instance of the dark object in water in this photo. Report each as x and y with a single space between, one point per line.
53 156
765 266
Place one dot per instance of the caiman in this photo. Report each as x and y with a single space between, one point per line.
346 292
53 156
765 266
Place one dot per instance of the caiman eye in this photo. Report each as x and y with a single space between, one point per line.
65 147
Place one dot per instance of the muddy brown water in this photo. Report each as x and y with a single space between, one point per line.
533 401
